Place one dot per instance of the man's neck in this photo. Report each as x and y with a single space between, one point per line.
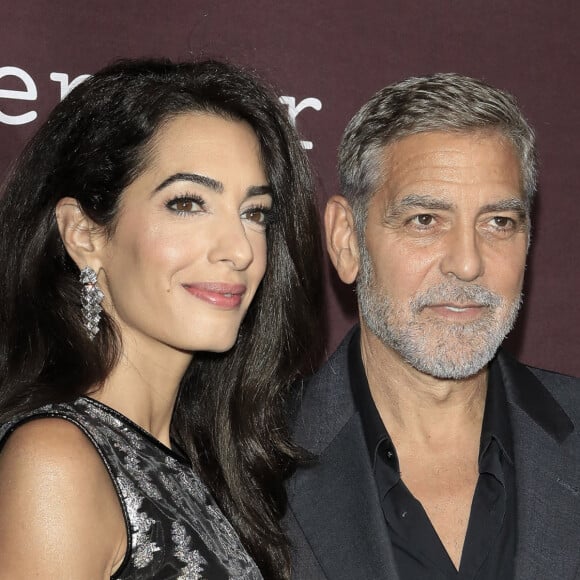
428 410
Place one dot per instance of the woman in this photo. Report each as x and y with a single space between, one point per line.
161 209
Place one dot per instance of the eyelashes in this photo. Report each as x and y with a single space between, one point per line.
259 214
185 205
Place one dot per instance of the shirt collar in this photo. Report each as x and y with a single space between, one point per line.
496 420
496 423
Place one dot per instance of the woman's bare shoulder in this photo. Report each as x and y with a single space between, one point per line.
61 517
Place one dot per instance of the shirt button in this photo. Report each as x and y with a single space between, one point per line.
390 454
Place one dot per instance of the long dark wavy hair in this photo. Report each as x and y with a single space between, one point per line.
230 416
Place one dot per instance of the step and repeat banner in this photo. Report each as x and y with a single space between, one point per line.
326 58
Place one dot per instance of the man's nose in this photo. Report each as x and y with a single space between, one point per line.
462 254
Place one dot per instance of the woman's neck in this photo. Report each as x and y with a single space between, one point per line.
144 385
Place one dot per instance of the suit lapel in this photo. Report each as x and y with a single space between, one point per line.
335 500
547 477
336 504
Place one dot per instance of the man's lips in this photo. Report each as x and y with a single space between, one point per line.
218 294
457 311
457 307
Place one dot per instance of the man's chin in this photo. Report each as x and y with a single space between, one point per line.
449 364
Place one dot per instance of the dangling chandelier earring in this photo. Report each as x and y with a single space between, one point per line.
91 298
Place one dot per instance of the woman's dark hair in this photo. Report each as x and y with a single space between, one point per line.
230 416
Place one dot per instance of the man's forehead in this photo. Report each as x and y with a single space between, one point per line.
438 162
437 146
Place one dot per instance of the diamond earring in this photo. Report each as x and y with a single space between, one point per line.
91 298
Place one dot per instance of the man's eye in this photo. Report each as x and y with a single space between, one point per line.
423 219
503 222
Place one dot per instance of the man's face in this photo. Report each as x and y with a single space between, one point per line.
441 274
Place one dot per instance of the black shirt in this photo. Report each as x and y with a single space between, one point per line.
489 548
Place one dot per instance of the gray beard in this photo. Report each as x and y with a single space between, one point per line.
435 347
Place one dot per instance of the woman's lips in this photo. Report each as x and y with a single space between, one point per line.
218 294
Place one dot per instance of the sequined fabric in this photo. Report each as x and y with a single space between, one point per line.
175 529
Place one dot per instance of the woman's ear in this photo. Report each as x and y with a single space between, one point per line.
341 240
82 238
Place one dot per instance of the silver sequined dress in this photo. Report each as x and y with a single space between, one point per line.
175 530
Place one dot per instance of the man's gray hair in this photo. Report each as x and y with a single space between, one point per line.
442 102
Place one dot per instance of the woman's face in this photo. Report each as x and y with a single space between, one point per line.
189 248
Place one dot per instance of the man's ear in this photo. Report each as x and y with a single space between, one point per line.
82 238
341 240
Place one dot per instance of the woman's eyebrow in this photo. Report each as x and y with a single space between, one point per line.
211 184
208 182
259 190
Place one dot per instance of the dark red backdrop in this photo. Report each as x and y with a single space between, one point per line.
336 53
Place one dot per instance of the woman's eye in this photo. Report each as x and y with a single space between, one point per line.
257 215
184 205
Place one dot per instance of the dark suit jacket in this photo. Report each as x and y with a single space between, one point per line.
335 522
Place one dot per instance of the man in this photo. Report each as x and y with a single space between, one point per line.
435 455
